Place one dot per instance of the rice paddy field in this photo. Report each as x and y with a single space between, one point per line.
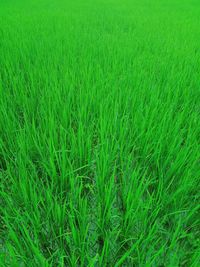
100 133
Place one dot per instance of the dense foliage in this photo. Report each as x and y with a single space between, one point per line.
99 133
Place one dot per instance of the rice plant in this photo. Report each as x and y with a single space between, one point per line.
99 133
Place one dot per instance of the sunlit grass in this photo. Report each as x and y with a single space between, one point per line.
99 133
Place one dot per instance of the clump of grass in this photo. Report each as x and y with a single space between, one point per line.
99 133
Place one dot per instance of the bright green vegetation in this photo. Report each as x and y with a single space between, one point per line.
100 133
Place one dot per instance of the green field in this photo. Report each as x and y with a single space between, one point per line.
100 133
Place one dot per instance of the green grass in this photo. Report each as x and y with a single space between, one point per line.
100 133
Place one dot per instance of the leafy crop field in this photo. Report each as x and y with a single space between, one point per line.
100 133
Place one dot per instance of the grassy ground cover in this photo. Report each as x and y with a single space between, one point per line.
100 133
